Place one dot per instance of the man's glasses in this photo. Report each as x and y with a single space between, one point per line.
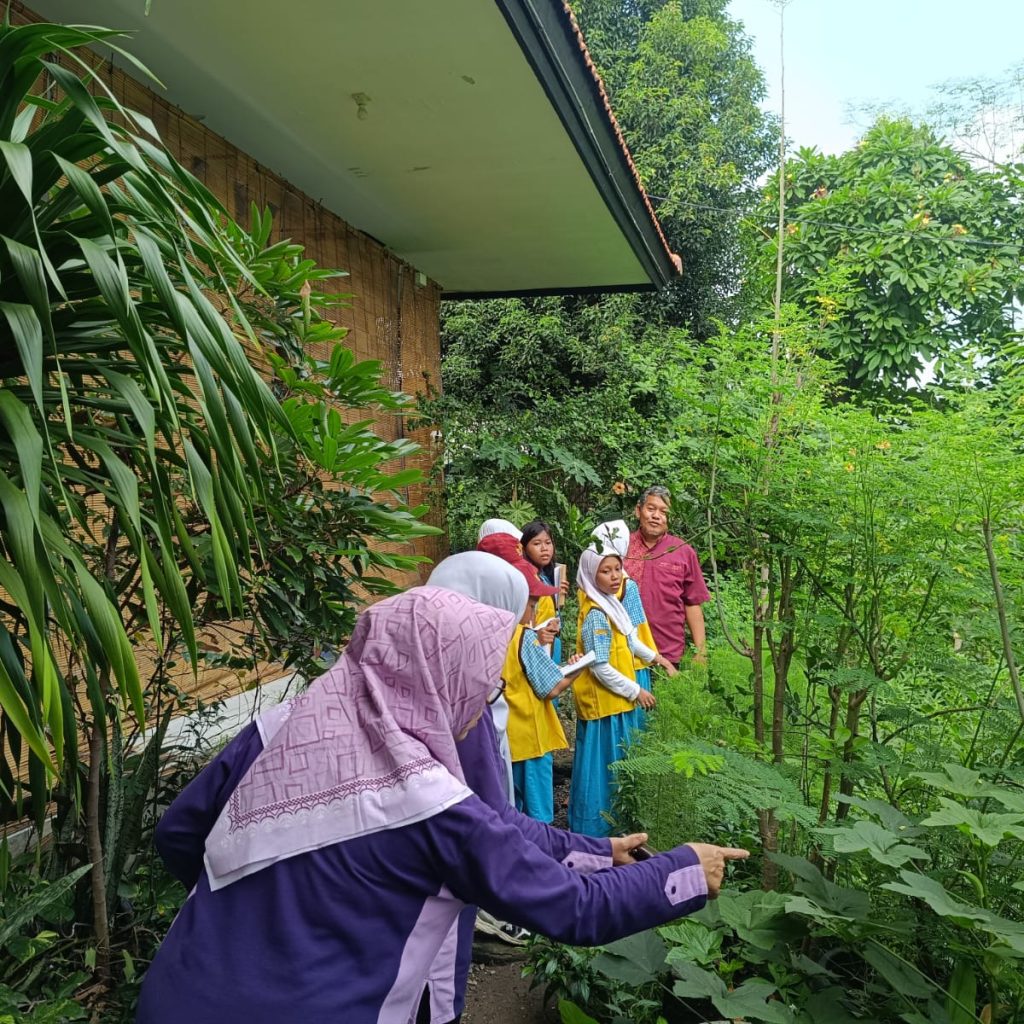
497 692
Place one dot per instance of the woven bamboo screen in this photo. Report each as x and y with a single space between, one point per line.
392 318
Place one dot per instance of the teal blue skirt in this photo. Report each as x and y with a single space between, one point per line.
534 784
598 743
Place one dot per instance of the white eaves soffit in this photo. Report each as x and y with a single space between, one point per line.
420 122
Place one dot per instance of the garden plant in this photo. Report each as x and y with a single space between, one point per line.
175 454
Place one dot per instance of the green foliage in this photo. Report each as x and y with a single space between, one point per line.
686 91
141 451
46 900
861 537
676 786
572 976
173 454
102 296
550 403
907 251
835 947
319 536
537 393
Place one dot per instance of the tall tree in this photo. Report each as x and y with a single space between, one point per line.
577 387
910 252
686 90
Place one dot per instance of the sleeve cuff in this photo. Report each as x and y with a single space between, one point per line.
587 863
686 884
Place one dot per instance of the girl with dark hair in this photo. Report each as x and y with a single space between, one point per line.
533 681
539 550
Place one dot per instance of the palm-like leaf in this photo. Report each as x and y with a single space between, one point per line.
130 415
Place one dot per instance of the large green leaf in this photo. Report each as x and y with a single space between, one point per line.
18 158
960 781
691 940
89 192
963 994
48 894
116 645
757 917
937 897
28 337
636 960
817 893
570 1013
879 843
901 975
15 708
31 276
27 443
989 829
750 1001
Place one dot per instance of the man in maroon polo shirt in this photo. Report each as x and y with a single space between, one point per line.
668 574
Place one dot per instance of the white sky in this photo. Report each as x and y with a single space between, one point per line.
843 52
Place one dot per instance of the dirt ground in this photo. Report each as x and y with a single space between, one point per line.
497 993
500 995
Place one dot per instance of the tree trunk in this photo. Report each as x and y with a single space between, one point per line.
95 845
1004 629
782 654
757 666
854 703
768 826
826 784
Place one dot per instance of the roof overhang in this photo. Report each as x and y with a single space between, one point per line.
471 137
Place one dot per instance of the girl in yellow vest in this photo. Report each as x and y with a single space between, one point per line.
615 535
532 680
539 551
609 702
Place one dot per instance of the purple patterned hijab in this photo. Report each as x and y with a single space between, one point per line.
371 744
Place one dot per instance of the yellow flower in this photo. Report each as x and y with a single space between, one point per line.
883 446
849 467
618 487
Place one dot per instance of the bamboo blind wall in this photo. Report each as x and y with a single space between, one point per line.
391 319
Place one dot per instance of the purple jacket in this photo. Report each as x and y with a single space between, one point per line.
350 931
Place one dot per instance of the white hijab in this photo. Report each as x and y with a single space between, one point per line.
485 578
492 581
586 580
490 526
615 536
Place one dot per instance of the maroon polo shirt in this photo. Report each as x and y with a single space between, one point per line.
669 577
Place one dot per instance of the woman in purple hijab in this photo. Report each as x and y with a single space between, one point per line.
332 844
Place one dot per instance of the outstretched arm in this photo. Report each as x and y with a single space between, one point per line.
490 863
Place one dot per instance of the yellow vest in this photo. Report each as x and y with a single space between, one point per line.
533 725
594 700
643 631
545 609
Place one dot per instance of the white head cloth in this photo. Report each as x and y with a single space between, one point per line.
485 578
615 536
490 580
586 580
489 526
